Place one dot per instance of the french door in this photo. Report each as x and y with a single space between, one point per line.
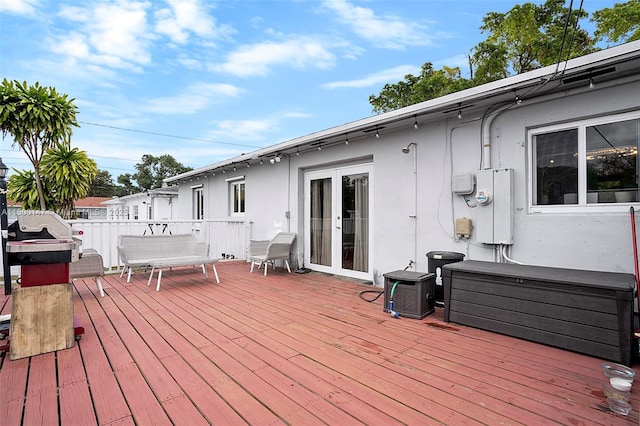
337 231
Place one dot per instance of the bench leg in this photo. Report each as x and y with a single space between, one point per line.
159 279
204 271
99 284
215 271
151 275
286 262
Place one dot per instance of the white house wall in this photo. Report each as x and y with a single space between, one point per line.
406 227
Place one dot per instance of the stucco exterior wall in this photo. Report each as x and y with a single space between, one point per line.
412 207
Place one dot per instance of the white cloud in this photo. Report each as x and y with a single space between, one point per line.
253 131
193 99
19 7
110 34
391 75
188 16
388 31
256 59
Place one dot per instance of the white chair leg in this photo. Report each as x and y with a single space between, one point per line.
286 262
159 279
99 284
252 263
215 271
124 269
151 275
266 267
204 271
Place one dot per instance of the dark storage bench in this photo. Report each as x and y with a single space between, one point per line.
590 312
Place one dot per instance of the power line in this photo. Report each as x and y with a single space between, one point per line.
167 135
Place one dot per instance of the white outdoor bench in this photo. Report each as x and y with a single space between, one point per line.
163 251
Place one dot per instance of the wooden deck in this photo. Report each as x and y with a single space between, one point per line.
299 349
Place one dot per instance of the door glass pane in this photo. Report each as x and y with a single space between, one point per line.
612 152
321 222
355 222
556 167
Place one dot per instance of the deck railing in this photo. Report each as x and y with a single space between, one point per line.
228 238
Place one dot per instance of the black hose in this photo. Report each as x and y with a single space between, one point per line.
362 293
379 293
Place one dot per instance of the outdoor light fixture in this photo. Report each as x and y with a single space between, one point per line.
275 159
415 122
4 225
591 84
272 161
377 134
297 152
346 139
319 147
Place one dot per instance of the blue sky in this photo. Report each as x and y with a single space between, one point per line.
224 77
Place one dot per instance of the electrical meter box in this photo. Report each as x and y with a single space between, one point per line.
414 293
494 212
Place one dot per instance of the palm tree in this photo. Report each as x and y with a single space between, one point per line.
38 118
69 173
21 188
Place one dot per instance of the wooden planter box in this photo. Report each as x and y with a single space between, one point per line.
590 312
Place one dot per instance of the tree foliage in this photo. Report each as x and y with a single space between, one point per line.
66 175
69 173
38 118
428 85
530 36
526 37
102 185
153 170
620 23
21 188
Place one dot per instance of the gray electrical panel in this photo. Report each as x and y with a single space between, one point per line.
494 212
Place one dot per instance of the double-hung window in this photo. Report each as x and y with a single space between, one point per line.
589 163
236 195
197 194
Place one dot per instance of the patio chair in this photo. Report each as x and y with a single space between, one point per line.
265 252
89 265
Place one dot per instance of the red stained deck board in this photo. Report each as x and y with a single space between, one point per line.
368 397
41 404
278 402
314 403
76 406
300 349
12 389
145 407
357 409
204 397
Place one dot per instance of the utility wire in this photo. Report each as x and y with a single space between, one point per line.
167 135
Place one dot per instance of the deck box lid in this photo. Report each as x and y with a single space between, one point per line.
601 279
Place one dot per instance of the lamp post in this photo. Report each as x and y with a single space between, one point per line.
4 225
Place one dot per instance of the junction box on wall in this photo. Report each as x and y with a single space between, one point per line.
494 212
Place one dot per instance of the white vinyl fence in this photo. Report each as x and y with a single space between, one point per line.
228 239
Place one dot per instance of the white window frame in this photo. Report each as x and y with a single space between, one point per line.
197 195
136 212
235 185
582 206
